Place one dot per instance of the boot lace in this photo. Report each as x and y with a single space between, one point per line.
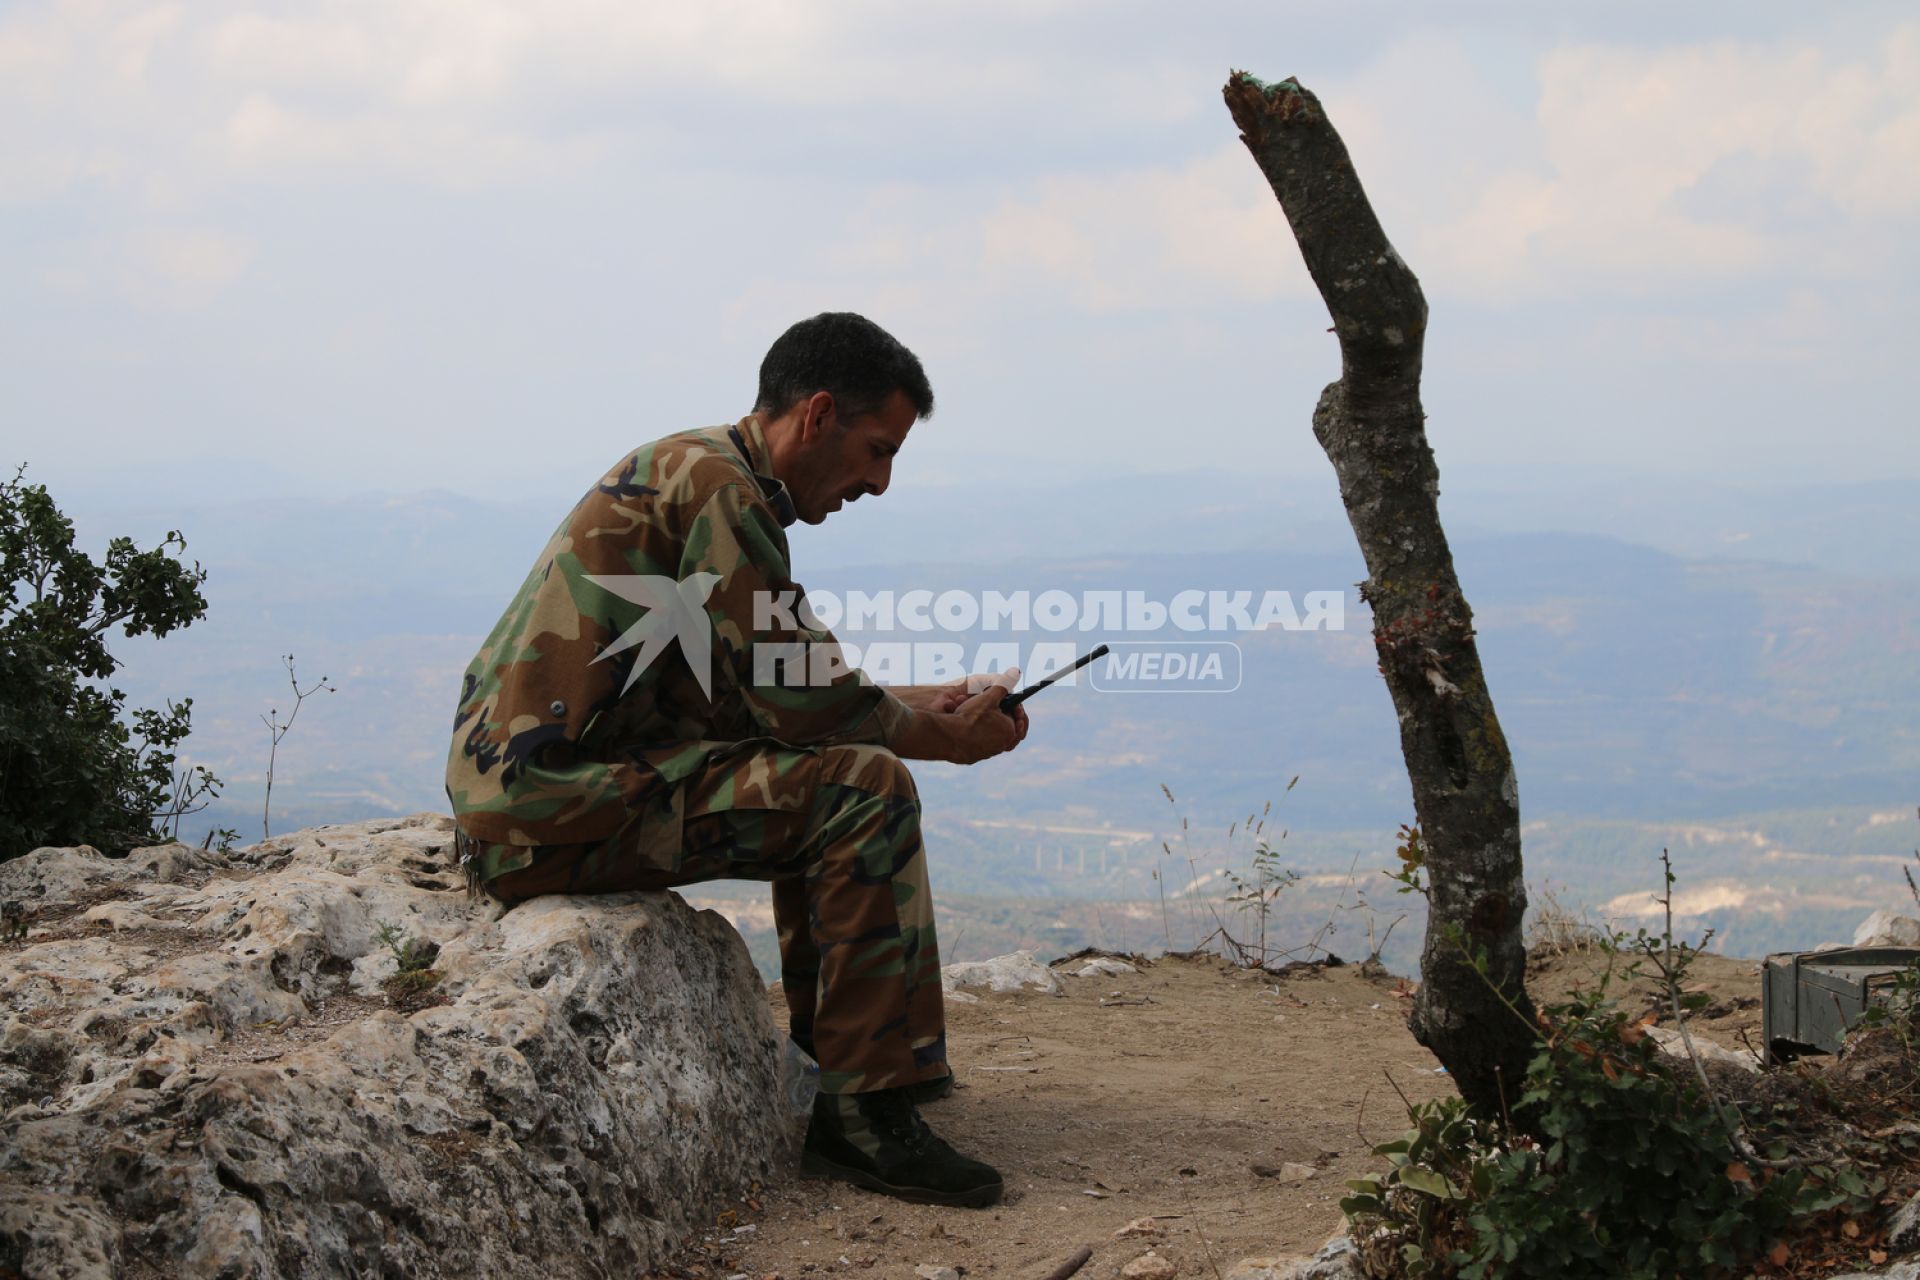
895 1110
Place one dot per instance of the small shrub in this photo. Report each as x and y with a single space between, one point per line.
1253 896
1554 929
414 976
1615 1163
1626 1171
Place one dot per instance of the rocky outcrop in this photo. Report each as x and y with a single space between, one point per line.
1887 929
212 1065
1674 1046
1016 971
1337 1259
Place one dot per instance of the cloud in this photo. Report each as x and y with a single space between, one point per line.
265 138
1632 170
154 268
1149 239
1205 233
76 100
1624 182
1626 174
465 93
447 217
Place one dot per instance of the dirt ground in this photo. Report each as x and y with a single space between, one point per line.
1181 1093
1730 1019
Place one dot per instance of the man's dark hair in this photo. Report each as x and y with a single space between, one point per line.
847 355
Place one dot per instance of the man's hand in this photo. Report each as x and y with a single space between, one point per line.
953 695
962 722
931 697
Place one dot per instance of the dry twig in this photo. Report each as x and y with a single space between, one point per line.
1080 1258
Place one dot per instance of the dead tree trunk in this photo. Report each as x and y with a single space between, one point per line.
1374 432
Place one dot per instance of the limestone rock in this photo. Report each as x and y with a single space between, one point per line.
1102 967
1279 1267
203 1072
1003 973
1149 1266
1898 1271
1886 929
1671 1044
1903 1232
1337 1259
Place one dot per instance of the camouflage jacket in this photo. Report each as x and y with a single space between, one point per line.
559 738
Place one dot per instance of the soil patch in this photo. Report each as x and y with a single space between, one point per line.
1228 1106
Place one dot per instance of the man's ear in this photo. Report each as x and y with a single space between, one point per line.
816 415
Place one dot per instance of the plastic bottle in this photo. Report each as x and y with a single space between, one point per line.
799 1080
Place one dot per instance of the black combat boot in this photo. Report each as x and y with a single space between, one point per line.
879 1141
941 1086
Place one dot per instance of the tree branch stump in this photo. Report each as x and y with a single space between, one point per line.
1373 429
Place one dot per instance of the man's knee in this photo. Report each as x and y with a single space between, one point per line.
870 818
872 769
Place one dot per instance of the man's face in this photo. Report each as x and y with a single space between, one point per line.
842 458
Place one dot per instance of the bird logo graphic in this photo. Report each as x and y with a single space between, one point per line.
675 609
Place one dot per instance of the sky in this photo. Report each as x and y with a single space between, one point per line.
482 246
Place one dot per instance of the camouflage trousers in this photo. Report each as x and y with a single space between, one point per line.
837 832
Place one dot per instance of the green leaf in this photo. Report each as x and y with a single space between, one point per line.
1428 1182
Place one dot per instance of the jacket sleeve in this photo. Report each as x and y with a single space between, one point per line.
790 676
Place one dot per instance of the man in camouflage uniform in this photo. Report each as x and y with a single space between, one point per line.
588 759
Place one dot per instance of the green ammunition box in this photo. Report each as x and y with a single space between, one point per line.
1809 1000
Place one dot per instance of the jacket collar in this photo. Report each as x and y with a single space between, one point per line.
749 436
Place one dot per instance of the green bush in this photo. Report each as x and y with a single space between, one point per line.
1621 1166
75 766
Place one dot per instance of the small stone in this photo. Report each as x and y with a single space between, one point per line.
929 1271
1903 1233
1674 1046
1900 1271
1274 1268
1337 1259
1014 972
1138 1227
1149 1266
1102 967
1291 1171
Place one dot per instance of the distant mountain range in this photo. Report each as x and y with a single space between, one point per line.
1638 684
